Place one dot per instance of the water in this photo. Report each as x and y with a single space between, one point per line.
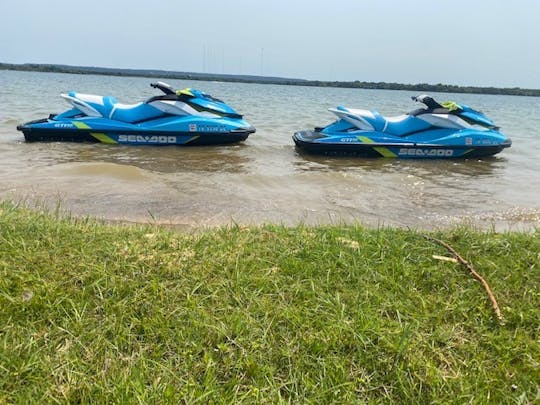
265 179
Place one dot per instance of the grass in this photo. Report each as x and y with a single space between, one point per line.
342 314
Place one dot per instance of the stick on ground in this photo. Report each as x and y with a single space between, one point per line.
473 272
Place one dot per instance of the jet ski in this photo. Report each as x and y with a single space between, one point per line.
177 117
437 130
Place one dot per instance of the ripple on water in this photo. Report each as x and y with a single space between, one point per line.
265 178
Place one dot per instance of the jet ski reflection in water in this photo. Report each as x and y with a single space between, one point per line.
178 117
446 130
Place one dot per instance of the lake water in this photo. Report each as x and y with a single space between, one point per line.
265 179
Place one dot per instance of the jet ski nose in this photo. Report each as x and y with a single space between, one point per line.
247 130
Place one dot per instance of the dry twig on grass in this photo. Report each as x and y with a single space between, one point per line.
473 272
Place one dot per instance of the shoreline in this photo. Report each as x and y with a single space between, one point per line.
521 220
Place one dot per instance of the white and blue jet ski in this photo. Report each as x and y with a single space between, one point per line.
438 130
177 117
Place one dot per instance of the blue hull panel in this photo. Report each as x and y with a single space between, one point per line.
312 142
45 131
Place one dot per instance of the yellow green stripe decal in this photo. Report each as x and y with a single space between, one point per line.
102 137
384 151
192 139
381 149
98 135
80 125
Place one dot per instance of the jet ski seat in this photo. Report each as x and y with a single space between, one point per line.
403 125
109 107
399 126
134 112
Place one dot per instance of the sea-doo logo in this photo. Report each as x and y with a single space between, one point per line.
146 139
426 152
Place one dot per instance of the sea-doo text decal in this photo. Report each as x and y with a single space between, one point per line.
146 139
426 152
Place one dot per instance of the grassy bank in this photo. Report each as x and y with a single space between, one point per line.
92 312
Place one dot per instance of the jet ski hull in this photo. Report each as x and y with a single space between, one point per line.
49 130
445 130
316 142
177 117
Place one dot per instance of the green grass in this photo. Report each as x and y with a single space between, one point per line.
343 314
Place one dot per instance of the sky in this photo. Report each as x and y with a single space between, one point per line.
463 42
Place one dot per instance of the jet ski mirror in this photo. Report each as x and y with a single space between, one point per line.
164 87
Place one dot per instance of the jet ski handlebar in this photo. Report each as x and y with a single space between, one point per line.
428 101
164 87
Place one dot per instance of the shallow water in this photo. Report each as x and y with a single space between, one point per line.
265 179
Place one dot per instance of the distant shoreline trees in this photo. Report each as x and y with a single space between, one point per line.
420 87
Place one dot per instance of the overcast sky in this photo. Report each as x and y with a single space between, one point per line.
464 42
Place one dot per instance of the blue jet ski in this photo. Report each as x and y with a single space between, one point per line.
177 117
446 130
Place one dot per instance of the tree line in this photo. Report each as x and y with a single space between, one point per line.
419 87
